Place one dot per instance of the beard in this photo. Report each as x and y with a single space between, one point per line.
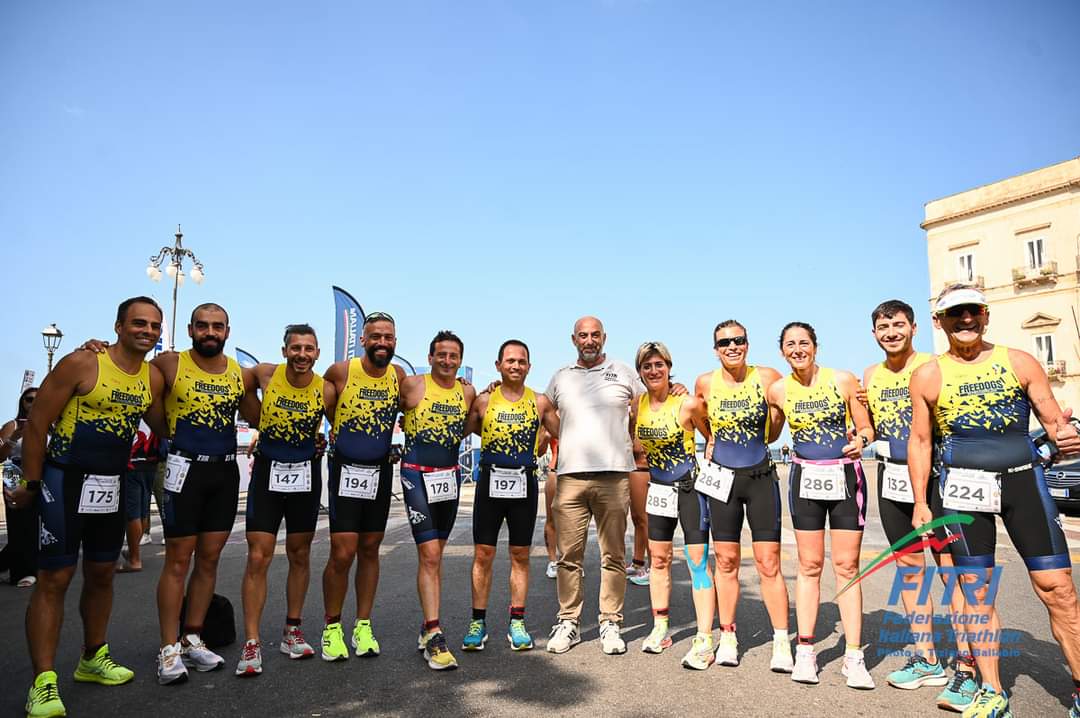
379 360
208 348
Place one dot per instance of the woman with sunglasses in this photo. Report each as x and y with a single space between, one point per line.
19 557
829 430
664 424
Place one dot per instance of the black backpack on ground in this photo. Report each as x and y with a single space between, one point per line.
219 628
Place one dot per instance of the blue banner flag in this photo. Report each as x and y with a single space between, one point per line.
246 360
348 323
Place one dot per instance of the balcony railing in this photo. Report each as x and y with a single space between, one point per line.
1035 275
1055 369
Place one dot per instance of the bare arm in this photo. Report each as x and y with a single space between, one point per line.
693 416
1033 379
155 413
925 385
774 397
549 417
65 381
476 414
250 406
769 377
8 434
860 417
330 397
861 393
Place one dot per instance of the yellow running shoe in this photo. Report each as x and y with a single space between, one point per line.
436 653
44 700
102 669
363 640
333 643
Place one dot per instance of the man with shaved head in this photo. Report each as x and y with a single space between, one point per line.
593 398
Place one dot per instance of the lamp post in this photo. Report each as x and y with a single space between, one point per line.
173 257
51 336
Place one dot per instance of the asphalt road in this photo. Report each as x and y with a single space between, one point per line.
499 682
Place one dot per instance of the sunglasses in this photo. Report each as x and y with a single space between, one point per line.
378 317
737 341
959 310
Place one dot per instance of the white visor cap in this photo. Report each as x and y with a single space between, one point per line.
960 296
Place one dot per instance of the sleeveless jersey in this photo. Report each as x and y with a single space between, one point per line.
890 404
817 416
668 447
95 432
510 430
290 418
201 407
366 412
982 414
739 417
435 428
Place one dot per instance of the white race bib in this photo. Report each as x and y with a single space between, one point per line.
441 485
715 481
176 471
507 484
359 482
286 478
822 482
100 495
662 501
896 484
972 490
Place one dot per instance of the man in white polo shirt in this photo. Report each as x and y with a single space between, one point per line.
595 459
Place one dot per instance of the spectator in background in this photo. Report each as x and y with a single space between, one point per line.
785 454
138 486
20 555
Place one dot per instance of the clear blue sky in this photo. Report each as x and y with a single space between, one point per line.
501 168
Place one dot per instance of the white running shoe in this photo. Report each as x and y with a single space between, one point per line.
782 661
854 669
657 640
564 636
170 667
700 655
145 540
552 569
611 641
196 655
250 659
294 645
805 669
727 649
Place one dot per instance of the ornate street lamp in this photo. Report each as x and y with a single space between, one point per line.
173 257
51 337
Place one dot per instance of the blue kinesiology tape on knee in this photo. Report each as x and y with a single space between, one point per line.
699 572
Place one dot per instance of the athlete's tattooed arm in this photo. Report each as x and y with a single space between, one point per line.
1034 381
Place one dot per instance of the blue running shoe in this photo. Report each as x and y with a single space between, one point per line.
989 704
959 694
1074 710
476 637
917 673
519 638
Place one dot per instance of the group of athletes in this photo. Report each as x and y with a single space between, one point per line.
951 433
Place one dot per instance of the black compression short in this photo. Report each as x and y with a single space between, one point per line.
693 517
489 513
354 515
206 502
755 494
64 530
811 514
266 508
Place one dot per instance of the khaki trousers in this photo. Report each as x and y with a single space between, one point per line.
579 498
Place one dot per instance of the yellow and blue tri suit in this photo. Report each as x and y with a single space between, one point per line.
817 416
889 398
669 448
201 407
366 412
290 418
510 430
739 418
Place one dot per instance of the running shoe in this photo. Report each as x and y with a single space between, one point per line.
196 655
437 655
727 649
638 575
805 669
476 636
564 636
657 640
519 637
145 540
170 666
1074 709
250 659
363 640
552 569
611 641
989 703
854 669
294 645
782 661
43 701
960 693
700 656
102 669
917 673
333 643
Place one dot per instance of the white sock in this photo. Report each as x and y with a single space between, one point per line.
780 634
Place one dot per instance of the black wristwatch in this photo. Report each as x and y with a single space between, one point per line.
34 486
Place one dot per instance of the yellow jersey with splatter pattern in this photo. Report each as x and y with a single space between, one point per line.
510 430
201 407
817 416
290 417
982 414
669 448
366 413
739 418
889 398
435 428
95 431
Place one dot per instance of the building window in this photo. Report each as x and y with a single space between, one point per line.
965 271
1044 349
1035 254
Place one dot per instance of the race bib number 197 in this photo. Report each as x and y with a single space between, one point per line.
507 484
